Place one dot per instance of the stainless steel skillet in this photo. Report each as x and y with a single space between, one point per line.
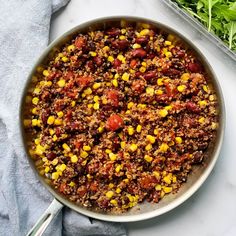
145 210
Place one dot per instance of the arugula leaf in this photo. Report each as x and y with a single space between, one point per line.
218 16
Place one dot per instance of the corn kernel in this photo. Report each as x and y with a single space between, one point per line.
51 120
112 156
66 147
61 83
142 69
96 85
139 128
96 106
160 81
35 111
86 148
109 194
168 54
178 140
144 32
201 120
122 144
70 48
205 88
74 159
34 122
54 162
156 132
35 100
114 202
168 178
167 189
60 114
46 73
125 76
108 151
163 113
211 98
202 103
62 167
130 105
83 154
156 174
55 175
58 122
106 48
90 105
118 168
126 181
118 190
174 179
110 58
164 147
147 158
93 54
167 43
181 88
37 91
54 138
130 130
121 58
159 92
214 125
71 184
47 169
122 37
96 98
65 59
100 129
27 122
73 103
151 139
185 76
136 45
158 187
133 147
115 82
110 185
148 147
168 108
88 91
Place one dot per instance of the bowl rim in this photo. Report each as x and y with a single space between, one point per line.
176 202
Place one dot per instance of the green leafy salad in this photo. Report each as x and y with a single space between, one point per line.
219 16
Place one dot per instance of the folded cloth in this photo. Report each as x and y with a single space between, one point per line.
24 31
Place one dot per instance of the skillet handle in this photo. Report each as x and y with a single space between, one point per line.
46 218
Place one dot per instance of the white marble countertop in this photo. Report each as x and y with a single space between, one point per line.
212 210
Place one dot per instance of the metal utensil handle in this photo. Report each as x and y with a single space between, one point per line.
46 218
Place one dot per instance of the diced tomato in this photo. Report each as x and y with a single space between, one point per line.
138 86
62 188
113 97
80 42
81 191
114 122
94 186
133 63
84 81
78 144
148 182
69 75
116 63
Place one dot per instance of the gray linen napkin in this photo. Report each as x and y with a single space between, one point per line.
24 30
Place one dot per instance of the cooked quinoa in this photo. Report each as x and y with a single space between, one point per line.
120 116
